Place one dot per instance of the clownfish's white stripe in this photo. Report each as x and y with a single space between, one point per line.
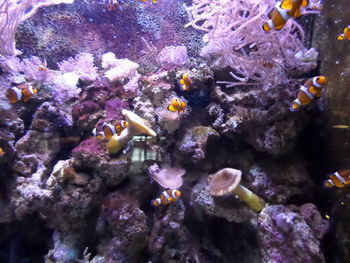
270 23
283 12
31 90
18 93
314 82
173 193
306 91
297 101
330 181
341 179
166 195
122 123
110 126
159 202
95 133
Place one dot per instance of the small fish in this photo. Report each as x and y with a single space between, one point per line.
177 105
312 89
113 5
21 92
108 130
316 5
43 67
345 35
284 10
166 197
338 179
2 152
185 82
153 1
327 216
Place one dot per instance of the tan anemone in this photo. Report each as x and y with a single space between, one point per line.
137 126
227 181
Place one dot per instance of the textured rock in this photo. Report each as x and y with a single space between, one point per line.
127 224
91 156
230 207
193 144
291 234
260 115
280 181
170 240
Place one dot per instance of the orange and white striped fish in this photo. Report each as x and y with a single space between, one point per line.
345 35
177 105
310 90
166 197
43 67
108 130
284 10
185 82
338 179
21 92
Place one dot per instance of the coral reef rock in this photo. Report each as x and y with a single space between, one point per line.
291 234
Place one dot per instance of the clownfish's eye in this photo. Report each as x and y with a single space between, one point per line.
317 79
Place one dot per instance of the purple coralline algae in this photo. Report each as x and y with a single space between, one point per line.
291 233
127 225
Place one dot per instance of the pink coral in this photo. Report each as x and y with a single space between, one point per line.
172 57
167 177
234 38
82 65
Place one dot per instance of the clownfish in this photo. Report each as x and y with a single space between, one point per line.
282 12
177 105
153 1
113 5
338 179
185 82
108 130
2 152
166 197
21 92
43 67
345 35
312 89
316 5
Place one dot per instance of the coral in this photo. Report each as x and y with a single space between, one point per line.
234 38
291 233
118 69
167 177
193 143
82 65
228 207
64 249
12 14
227 181
172 57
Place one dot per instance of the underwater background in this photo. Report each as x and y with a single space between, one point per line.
187 131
